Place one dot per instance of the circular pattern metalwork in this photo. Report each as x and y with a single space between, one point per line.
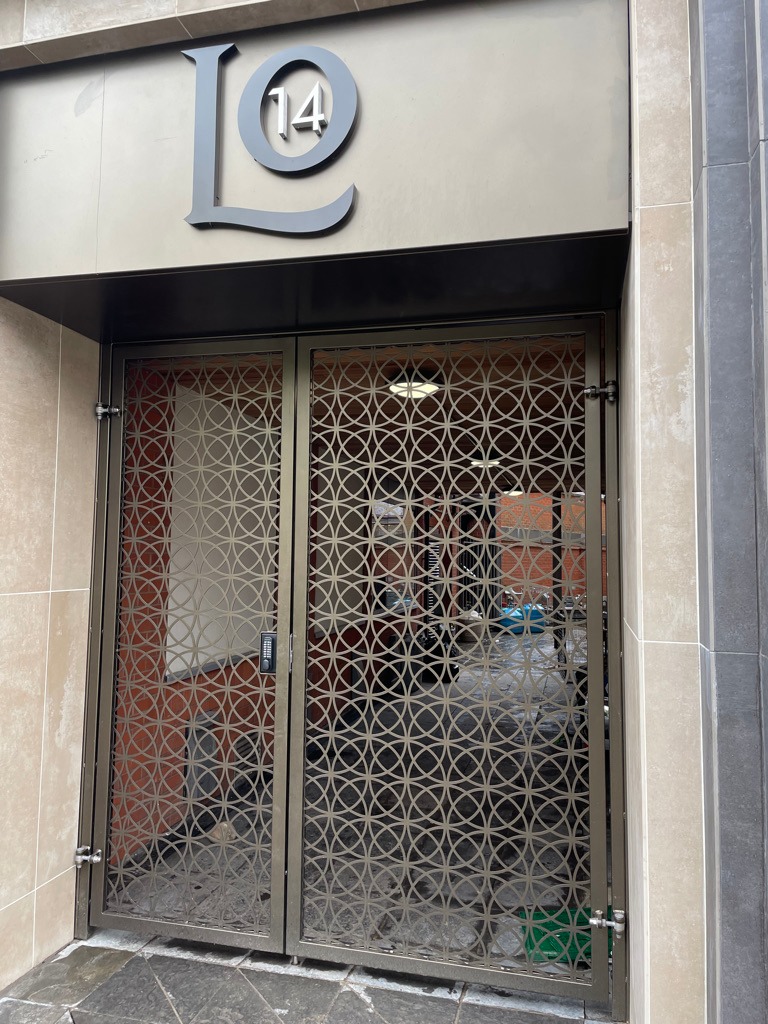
445 811
446 796
193 724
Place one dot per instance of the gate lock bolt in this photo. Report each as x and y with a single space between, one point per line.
83 855
619 922
609 391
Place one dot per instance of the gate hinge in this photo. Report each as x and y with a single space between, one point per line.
290 653
619 922
83 855
610 391
105 412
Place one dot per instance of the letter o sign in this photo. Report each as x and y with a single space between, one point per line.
344 92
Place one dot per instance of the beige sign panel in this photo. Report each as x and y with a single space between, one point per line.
479 122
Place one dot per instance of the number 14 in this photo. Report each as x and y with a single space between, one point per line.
309 116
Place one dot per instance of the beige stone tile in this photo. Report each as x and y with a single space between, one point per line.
63 733
665 393
210 18
130 36
46 19
11 22
29 356
23 634
16 932
55 915
75 462
675 833
661 102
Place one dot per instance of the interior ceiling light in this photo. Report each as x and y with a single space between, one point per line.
513 486
415 382
485 458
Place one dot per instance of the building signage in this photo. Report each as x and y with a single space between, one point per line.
309 115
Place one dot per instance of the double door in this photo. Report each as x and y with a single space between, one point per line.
356 651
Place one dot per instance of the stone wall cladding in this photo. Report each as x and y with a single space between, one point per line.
47 450
728 60
46 31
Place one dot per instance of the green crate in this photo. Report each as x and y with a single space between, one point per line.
552 935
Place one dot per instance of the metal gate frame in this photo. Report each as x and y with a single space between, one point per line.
598 991
602 419
109 528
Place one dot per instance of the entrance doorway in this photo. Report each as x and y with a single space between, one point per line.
357 618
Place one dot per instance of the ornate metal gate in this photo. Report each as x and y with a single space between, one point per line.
435 544
191 809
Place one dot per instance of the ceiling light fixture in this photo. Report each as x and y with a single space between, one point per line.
485 458
415 382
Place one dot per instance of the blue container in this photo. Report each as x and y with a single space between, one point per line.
530 618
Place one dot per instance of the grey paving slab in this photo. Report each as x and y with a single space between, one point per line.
295 999
352 1008
188 984
306 968
195 951
477 1014
83 1017
237 1002
69 979
133 993
487 995
365 978
404 1008
14 1011
149 987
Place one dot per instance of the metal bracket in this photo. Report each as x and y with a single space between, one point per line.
619 922
610 391
105 412
83 855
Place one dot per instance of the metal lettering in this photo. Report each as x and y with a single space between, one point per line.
206 211
311 114
280 96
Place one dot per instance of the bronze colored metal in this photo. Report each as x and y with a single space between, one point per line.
196 776
444 598
448 801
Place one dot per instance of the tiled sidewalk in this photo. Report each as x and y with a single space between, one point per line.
116 977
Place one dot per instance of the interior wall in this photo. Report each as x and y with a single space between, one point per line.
48 387
661 653
211 614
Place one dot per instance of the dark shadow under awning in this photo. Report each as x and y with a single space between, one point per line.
571 274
